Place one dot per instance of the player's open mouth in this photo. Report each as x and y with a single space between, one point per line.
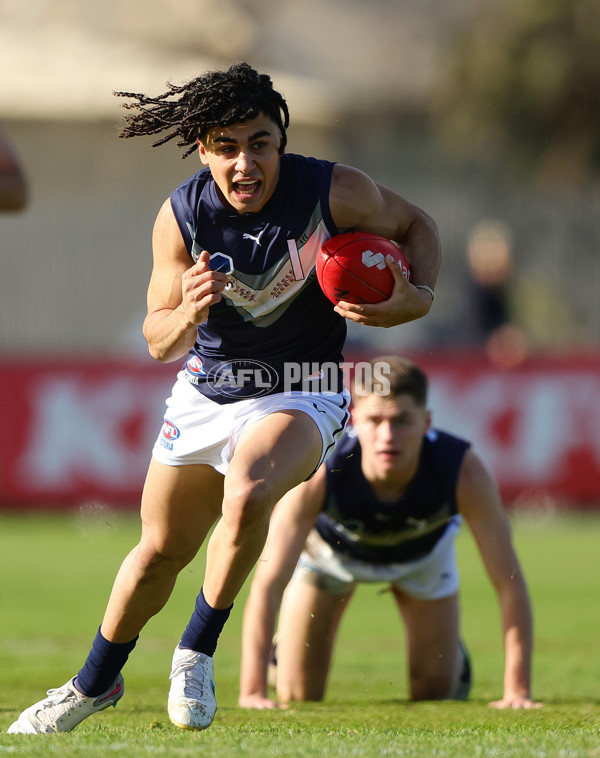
248 188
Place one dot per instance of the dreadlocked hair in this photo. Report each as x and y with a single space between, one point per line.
217 98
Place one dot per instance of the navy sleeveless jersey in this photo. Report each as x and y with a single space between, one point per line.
355 522
273 316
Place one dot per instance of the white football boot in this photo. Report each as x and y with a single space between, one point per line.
192 703
64 708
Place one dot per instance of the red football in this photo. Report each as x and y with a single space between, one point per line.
352 267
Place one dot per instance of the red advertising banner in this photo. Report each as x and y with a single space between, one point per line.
75 432
537 426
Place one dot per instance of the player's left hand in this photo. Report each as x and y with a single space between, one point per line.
406 303
516 702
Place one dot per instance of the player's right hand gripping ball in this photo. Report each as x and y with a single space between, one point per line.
352 267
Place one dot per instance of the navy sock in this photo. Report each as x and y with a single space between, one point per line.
204 627
103 664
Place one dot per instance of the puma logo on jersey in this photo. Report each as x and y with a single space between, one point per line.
417 523
256 239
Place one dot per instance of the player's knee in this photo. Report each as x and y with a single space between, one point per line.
246 507
164 556
431 687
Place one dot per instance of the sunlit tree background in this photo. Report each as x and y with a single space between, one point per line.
520 90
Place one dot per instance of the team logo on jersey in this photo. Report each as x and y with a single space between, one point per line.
221 262
244 378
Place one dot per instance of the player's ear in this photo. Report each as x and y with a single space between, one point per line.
281 148
202 152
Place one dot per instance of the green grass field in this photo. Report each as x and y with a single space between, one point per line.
56 575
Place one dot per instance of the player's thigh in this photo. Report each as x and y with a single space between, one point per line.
272 455
179 506
432 635
308 624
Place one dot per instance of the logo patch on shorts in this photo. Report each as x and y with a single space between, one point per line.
169 433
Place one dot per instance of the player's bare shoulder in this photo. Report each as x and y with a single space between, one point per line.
477 489
167 241
353 197
358 202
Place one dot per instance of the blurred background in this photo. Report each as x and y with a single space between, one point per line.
485 115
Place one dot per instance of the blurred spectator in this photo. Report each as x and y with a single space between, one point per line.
491 267
490 260
13 186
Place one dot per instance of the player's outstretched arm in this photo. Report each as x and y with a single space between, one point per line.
480 504
180 291
290 524
357 202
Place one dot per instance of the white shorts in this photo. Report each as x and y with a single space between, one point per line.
198 430
429 578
